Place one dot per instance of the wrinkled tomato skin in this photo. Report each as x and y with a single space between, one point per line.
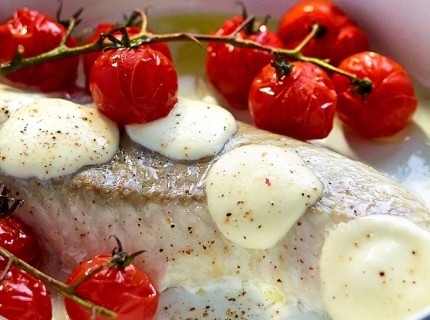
343 37
20 240
135 85
38 33
390 105
90 58
301 105
231 69
128 292
23 297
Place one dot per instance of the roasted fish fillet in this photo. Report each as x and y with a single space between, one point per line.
158 204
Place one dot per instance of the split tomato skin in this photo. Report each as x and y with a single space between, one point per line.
342 36
301 104
20 240
127 291
90 58
391 103
231 69
134 85
23 297
38 34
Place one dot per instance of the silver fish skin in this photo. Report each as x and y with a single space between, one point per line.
157 204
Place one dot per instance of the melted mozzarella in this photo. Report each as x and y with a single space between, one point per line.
256 193
11 99
49 138
193 130
376 267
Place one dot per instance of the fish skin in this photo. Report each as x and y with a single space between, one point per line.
154 203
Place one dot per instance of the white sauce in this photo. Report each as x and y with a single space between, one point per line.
193 130
247 299
376 267
256 193
49 138
12 98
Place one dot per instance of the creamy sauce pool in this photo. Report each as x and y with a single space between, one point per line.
256 193
49 138
376 267
191 131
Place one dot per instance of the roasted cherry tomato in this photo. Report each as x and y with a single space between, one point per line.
127 291
231 69
20 240
340 36
37 34
301 104
134 85
391 103
23 297
90 58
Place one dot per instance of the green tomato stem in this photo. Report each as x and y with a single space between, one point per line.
71 26
107 264
144 24
363 85
298 50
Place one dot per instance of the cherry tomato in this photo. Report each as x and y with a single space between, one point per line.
134 85
127 291
37 33
231 69
301 104
23 297
90 58
390 105
341 37
20 240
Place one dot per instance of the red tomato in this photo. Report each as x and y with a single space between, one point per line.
342 36
23 297
390 105
301 104
231 69
37 33
134 85
90 58
127 291
19 240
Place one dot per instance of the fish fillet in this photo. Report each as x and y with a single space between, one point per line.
154 203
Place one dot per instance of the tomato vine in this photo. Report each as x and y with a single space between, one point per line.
63 51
